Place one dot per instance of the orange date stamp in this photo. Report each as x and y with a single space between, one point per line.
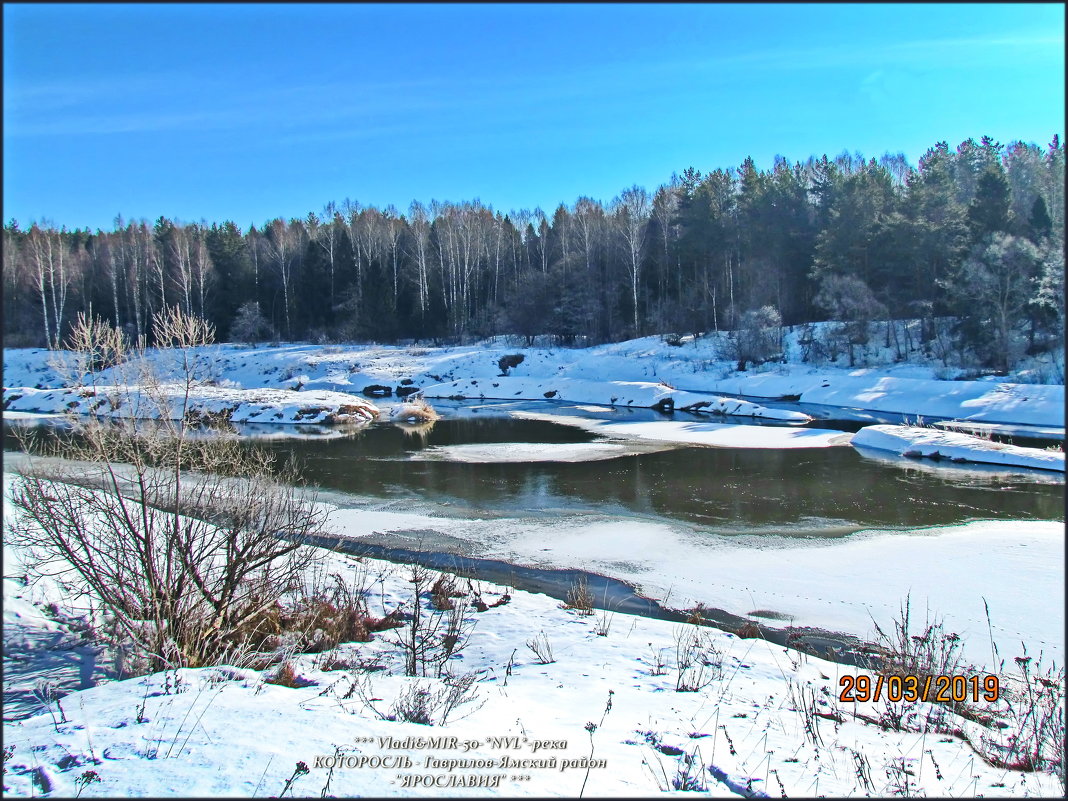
936 689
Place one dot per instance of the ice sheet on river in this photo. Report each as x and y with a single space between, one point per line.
726 435
839 583
957 447
508 452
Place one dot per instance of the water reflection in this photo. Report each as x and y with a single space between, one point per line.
817 491
800 492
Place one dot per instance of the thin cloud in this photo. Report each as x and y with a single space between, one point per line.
115 107
919 52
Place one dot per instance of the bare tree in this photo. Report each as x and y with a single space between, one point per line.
182 260
391 233
461 231
351 211
55 268
201 261
542 239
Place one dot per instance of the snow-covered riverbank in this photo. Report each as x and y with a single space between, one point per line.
224 404
640 372
765 720
551 685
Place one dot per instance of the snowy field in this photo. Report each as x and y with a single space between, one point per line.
562 704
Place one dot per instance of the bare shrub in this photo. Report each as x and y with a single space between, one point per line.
443 591
579 597
748 631
851 302
1023 730
416 410
657 662
542 648
250 326
181 541
604 623
758 337
285 675
429 703
91 346
697 660
689 776
930 652
1033 715
433 636
812 710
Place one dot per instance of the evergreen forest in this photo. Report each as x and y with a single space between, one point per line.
974 235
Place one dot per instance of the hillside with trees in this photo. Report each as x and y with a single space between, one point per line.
974 233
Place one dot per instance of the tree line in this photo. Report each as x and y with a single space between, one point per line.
975 233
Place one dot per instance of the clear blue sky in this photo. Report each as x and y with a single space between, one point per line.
248 112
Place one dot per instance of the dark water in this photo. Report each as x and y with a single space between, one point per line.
804 491
800 492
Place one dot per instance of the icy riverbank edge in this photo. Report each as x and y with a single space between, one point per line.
929 444
199 402
645 372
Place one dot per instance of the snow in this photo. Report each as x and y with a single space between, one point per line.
931 444
609 691
988 429
143 737
725 435
504 452
837 584
639 372
1023 404
225 731
237 405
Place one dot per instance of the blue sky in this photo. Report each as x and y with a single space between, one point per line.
248 112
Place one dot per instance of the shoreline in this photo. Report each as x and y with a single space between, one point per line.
610 595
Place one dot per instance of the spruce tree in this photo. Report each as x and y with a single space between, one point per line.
1039 222
988 212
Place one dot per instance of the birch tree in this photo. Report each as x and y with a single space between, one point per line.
419 236
51 279
281 244
631 216
327 237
